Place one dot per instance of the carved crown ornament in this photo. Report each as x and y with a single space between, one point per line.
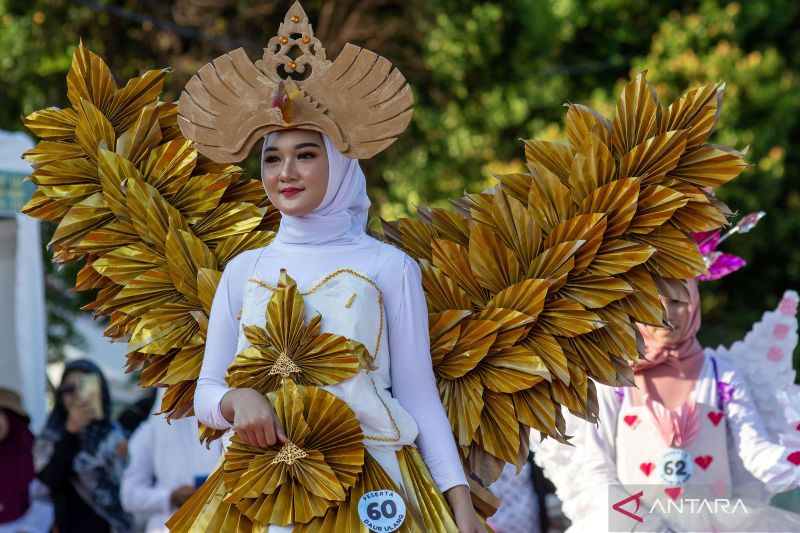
360 100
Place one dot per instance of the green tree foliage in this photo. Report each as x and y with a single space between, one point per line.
750 46
485 75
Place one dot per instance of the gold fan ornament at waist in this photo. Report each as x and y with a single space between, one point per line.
296 481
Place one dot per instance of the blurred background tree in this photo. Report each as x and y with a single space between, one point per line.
485 74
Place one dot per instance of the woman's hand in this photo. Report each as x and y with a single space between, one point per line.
254 420
79 415
461 503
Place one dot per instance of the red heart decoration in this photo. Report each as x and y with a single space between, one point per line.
703 461
797 427
715 417
673 492
630 419
647 468
788 307
794 458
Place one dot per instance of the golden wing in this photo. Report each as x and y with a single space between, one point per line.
225 108
534 288
371 100
155 221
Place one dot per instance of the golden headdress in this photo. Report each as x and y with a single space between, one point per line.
359 100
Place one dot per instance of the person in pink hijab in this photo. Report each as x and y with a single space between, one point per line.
700 426
673 357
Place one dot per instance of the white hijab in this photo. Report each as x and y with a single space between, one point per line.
341 216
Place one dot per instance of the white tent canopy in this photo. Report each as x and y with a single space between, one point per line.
23 342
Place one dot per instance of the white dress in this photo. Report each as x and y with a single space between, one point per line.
519 506
366 291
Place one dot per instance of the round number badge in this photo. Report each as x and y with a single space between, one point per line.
675 467
382 510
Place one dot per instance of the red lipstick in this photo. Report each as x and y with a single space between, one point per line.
290 191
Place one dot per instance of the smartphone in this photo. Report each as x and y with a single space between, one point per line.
89 389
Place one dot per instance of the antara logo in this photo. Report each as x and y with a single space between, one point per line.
635 497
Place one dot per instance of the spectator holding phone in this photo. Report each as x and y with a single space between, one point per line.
167 464
77 456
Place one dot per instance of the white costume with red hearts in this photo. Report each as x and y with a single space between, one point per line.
643 457
747 446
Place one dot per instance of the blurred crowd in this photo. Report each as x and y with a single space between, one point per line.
90 472
87 472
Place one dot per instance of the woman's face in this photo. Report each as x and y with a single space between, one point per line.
69 388
295 171
3 425
677 315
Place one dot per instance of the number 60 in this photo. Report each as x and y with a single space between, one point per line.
387 510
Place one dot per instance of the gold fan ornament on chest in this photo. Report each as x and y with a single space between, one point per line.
291 345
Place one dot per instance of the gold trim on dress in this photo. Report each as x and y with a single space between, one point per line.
328 278
388 412
314 289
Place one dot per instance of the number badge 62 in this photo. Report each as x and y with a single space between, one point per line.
675 467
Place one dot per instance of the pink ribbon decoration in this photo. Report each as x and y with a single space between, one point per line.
678 428
719 265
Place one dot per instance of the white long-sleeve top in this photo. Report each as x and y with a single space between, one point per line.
399 279
162 457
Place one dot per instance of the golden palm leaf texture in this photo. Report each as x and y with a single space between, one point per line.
154 221
290 345
533 287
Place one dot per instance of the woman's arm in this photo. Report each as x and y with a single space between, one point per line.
413 382
766 460
221 342
137 492
58 470
40 514
596 453
414 386
215 404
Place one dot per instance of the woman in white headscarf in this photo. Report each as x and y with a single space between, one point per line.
364 290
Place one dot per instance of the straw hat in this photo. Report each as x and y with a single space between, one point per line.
10 400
